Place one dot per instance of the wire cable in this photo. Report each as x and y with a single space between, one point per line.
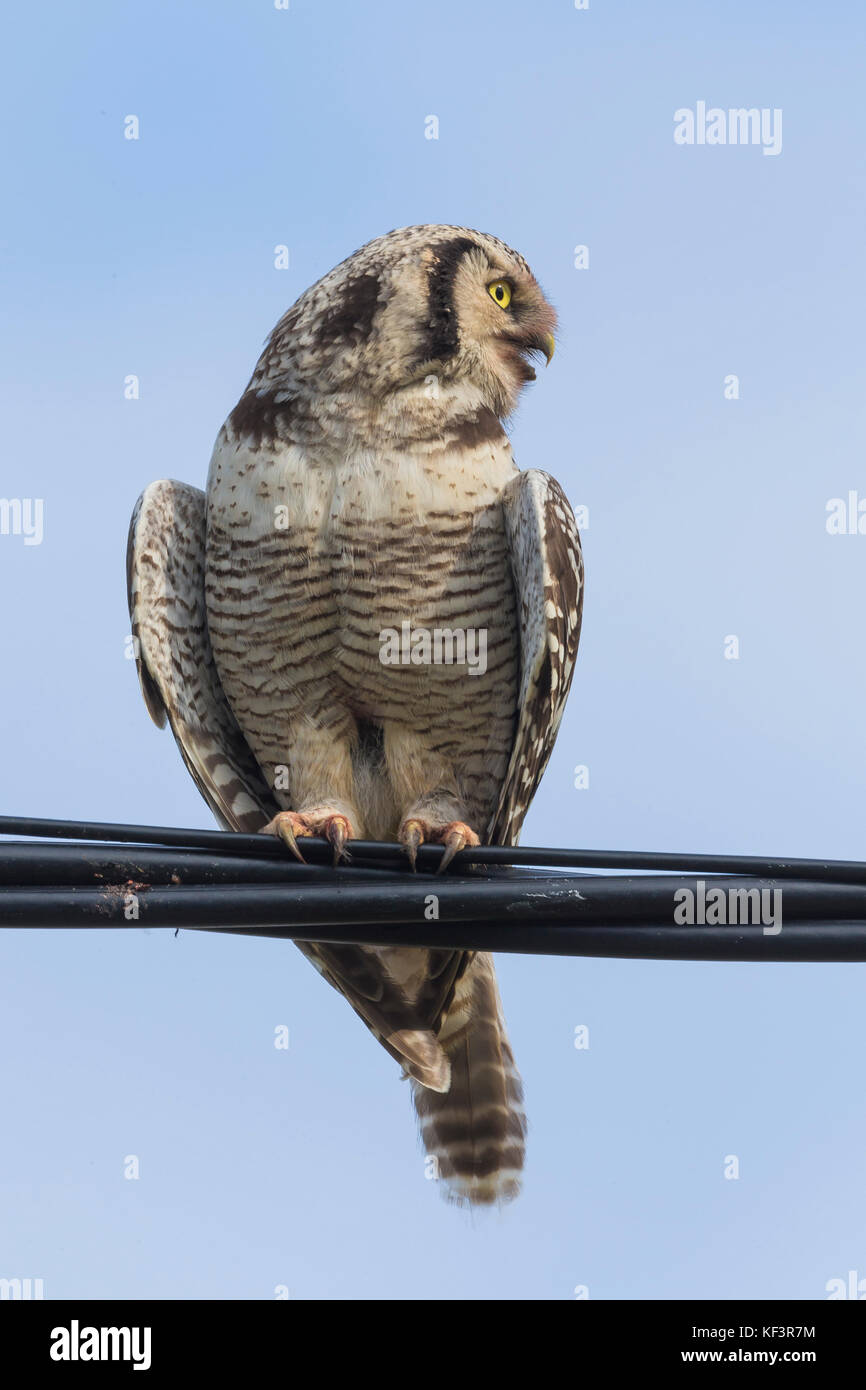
498 898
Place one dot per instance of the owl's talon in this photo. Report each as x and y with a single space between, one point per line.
411 838
289 826
455 837
286 825
286 833
338 830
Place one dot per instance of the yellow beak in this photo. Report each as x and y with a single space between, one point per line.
549 347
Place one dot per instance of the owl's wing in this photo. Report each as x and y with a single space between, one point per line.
165 588
547 567
180 682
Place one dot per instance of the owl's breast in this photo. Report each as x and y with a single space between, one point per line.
422 588
386 583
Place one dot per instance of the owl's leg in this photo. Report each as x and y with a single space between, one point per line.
417 829
320 776
426 788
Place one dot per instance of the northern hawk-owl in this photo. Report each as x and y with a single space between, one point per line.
306 626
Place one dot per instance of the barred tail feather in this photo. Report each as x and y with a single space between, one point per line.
476 1130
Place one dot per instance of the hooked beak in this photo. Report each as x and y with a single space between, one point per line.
521 346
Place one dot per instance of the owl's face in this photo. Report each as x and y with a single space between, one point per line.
499 319
446 303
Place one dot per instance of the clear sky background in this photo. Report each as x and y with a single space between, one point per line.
707 519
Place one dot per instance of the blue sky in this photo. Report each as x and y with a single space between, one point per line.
707 516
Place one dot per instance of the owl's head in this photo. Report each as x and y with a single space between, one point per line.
431 302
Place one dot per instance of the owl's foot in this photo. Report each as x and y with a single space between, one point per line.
290 826
455 835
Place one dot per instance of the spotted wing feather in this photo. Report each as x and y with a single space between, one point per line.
547 566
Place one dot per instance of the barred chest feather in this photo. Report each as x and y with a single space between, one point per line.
373 581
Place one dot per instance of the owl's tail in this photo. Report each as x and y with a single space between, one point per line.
476 1129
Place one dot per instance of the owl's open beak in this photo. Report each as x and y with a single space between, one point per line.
523 345
544 343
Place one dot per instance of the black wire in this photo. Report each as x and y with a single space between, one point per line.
212 880
601 916
341 899
29 864
319 851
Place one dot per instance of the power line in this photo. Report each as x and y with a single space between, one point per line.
319 851
158 876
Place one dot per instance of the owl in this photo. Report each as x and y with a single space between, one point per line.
366 627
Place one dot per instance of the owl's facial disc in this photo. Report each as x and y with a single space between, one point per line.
503 319
522 329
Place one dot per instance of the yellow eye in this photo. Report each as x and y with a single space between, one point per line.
500 290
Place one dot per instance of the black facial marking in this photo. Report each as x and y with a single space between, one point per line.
350 318
443 339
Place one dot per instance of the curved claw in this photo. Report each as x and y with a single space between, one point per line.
338 831
456 837
411 838
453 843
282 826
